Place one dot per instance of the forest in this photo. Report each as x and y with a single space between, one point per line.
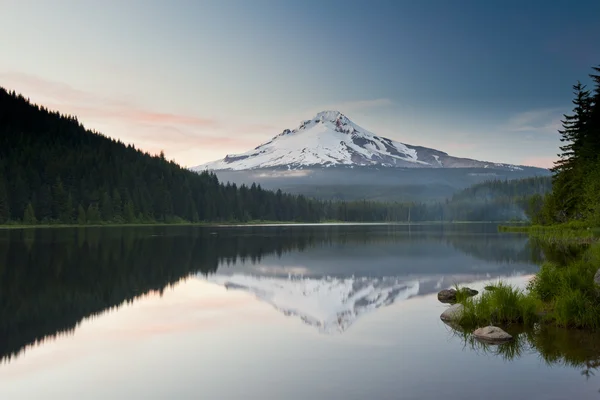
54 171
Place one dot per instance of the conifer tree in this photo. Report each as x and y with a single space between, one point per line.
4 204
81 216
29 215
93 214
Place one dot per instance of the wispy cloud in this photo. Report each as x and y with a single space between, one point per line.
352 106
56 95
543 120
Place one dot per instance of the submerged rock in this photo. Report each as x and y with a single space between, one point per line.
492 335
449 295
452 313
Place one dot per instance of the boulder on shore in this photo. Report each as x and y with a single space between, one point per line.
452 313
492 335
449 295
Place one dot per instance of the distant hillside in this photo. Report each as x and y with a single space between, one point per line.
497 200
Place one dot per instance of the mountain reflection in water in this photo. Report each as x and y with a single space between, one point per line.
51 279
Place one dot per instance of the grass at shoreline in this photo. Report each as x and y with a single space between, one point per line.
559 295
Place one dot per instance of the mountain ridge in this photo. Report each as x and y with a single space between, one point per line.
331 139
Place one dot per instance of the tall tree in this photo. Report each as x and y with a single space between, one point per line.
569 170
4 204
29 215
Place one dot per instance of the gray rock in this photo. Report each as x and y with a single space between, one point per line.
452 313
449 295
597 277
492 335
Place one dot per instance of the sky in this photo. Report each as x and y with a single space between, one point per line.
199 79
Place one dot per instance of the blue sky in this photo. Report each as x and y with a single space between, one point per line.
201 79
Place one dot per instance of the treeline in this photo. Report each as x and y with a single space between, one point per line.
575 192
53 170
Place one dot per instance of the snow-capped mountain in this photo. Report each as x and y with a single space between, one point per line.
331 139
329 304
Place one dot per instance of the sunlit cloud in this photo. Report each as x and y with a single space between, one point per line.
189 139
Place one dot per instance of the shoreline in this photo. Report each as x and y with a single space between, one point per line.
242 224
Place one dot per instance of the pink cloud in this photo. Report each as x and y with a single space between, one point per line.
542 162
201 138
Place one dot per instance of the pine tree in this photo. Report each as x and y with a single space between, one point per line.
66 213
59 200
117 204
106 207
4 204
570 169
29 215
93 214
128 212
81 217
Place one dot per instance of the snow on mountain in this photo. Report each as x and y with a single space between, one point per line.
329 304
331 139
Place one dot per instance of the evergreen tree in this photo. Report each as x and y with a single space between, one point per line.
4 204
29 215
569 170
128 212
93 214
59 200
117 205
106 207
81 216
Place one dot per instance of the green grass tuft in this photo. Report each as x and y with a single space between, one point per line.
504 305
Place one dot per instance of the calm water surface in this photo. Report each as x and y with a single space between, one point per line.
279 312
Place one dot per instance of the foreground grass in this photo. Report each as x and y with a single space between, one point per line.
559 295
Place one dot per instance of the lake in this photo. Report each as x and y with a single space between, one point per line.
269 312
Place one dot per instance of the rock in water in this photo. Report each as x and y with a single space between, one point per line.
447 296
492 335
452 313
597 277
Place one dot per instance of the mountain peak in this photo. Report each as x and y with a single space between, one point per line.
329 115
